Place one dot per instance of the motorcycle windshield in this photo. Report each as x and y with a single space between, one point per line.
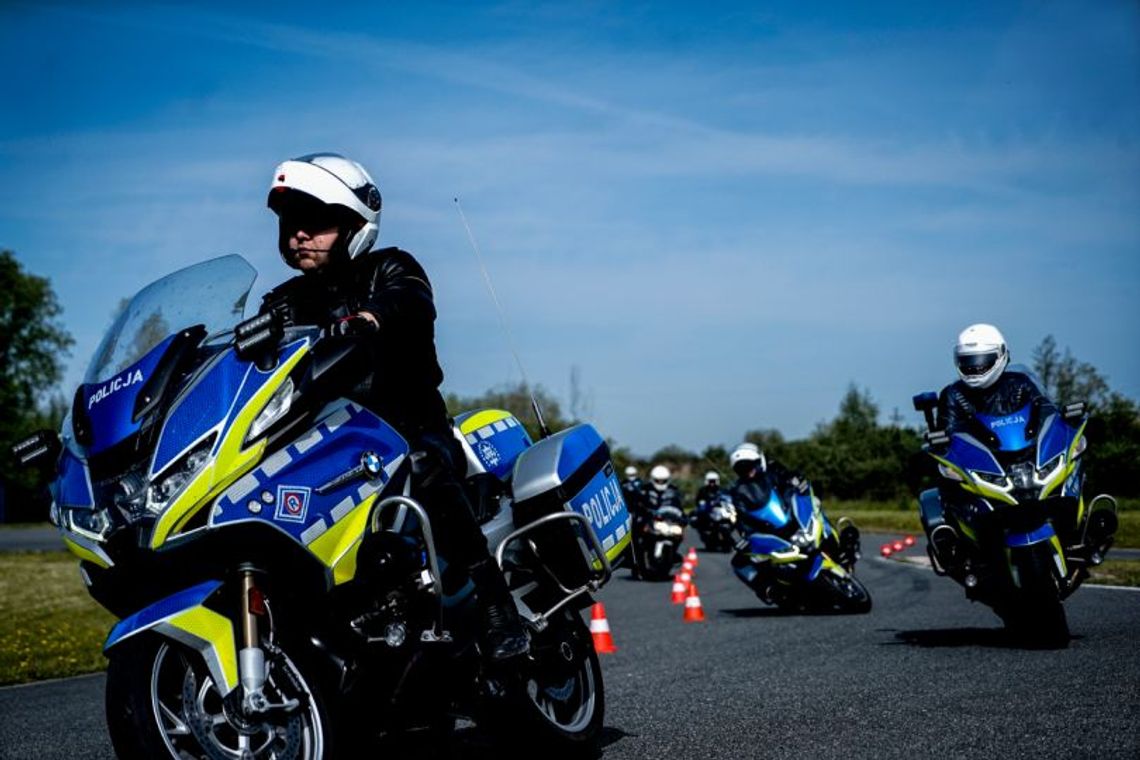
212 293
1010 429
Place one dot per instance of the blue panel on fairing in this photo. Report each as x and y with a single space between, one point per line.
772 513
1010 429
1056 437
1044 533
971 455
804 509
328 453
578 445
816 566
215 398
171 605
111 405
73 486
763 543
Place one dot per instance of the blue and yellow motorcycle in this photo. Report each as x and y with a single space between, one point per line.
1008 520
792 557
279 590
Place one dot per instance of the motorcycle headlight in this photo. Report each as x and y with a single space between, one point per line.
90 523
276 408
1022 475
802 540
171 481
660 526
949 473
995 480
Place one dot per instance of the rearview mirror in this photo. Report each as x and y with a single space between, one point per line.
41 447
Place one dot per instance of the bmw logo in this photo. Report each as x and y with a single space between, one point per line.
371 462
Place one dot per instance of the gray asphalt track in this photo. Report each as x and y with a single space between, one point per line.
926 673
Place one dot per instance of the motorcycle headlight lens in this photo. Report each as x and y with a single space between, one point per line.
276 408
949 473
801 540
175 477
988 477
660 526
1022 475
91 523
1045 471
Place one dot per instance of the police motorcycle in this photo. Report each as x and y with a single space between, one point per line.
810 571
657 542
1008 520
716 523
278 588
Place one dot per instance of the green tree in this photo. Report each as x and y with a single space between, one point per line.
1114 428
516 400
32 345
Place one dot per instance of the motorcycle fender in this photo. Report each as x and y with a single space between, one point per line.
659 548
183 618
831 566
816 567
1033 541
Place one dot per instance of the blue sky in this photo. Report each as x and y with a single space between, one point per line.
720 213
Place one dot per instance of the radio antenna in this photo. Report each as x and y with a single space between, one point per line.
545 431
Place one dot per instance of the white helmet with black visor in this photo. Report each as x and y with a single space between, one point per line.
323 190
980 355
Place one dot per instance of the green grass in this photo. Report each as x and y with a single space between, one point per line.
1117 572
49 626
892 517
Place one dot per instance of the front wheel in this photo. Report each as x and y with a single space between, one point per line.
556 699
844 593
162 702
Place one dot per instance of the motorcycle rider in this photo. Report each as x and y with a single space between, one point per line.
631 488
706 498
986 385
756 479
328 210
660 491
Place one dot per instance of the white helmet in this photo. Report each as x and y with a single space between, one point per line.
660 476
980 355
712 476
631 471
332 180
746 456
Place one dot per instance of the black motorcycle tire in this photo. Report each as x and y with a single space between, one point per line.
844 594
654 569
526 723
133 712
1035 615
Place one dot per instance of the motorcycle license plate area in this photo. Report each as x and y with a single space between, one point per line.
571 470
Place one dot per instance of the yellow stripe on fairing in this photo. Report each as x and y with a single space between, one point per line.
482 419
231 461
216 632
84 553
337 547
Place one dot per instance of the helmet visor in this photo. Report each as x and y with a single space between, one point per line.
300 211
976 365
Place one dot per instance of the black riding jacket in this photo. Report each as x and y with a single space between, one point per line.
401 374
959 403
651 499
708 496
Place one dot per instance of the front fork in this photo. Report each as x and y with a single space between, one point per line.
252 670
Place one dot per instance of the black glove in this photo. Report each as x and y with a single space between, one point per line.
352 325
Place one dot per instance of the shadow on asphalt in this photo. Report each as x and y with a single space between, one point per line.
938 638
467 743
769 612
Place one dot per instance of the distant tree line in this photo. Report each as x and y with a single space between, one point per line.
853 456
857 456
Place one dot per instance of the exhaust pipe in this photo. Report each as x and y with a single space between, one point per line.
944 547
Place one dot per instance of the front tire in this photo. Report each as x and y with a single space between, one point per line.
1035 615
844 593
162 702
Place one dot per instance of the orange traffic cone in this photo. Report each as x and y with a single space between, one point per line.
693 611
680 586
687 567
600 629
686 577
692 556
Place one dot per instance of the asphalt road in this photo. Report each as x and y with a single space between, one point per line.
926 673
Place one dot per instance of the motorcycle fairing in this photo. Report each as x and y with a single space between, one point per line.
765 544
182 617
967 454
804 508
232 456
1010 429
493 440
772 513
110 406
72 488
330 524
1042 533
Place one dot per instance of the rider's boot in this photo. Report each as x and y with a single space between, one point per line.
503 632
